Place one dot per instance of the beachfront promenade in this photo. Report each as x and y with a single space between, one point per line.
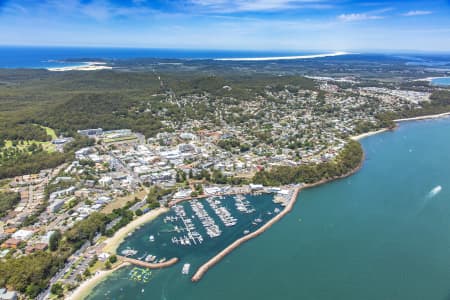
205 267
148 265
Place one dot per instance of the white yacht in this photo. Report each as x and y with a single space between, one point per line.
185 269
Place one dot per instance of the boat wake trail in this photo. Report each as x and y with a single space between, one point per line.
426 200
436 190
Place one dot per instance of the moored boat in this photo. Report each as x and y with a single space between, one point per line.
185 269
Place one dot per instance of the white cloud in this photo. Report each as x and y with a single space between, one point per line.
413 13
358 17
99 10
228 6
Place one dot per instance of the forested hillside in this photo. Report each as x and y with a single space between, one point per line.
69 101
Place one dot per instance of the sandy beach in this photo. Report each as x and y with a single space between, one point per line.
113 242
426 117
370 133
88 66
284 57
111 245
423 117
429 79
84 289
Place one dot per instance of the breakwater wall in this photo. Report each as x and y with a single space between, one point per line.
148 265
210 263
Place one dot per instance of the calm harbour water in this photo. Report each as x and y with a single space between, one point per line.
383 233
196 255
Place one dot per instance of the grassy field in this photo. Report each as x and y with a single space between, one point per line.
121 201
4 183
48 146
51 132
120 139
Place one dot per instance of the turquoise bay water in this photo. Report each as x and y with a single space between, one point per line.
163 230
442 81
383 233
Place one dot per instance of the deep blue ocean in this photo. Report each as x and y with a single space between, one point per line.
47 57
51 57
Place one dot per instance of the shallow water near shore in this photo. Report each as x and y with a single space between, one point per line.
383 233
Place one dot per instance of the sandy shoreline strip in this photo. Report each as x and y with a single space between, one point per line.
113 242
284 57
370 133
429 79
436 116
111 246
419 118
87 66
87 286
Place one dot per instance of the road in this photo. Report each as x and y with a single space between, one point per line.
46 293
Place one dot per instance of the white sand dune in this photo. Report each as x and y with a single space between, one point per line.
88 66
285 57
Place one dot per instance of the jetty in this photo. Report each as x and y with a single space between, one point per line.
210 263
148 265
240 191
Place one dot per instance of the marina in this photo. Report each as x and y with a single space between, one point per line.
203 225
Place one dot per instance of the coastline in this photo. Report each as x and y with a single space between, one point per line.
88 285
205 267
201 271
418 118
429 79
435 116
284 57
113 242
367 134
111 246
88 66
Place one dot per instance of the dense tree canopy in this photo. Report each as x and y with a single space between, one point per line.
31 273
27 132
7 201
349 159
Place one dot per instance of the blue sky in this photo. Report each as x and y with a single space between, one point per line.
288 25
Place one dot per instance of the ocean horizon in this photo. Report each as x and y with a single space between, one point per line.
56 57
45 57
